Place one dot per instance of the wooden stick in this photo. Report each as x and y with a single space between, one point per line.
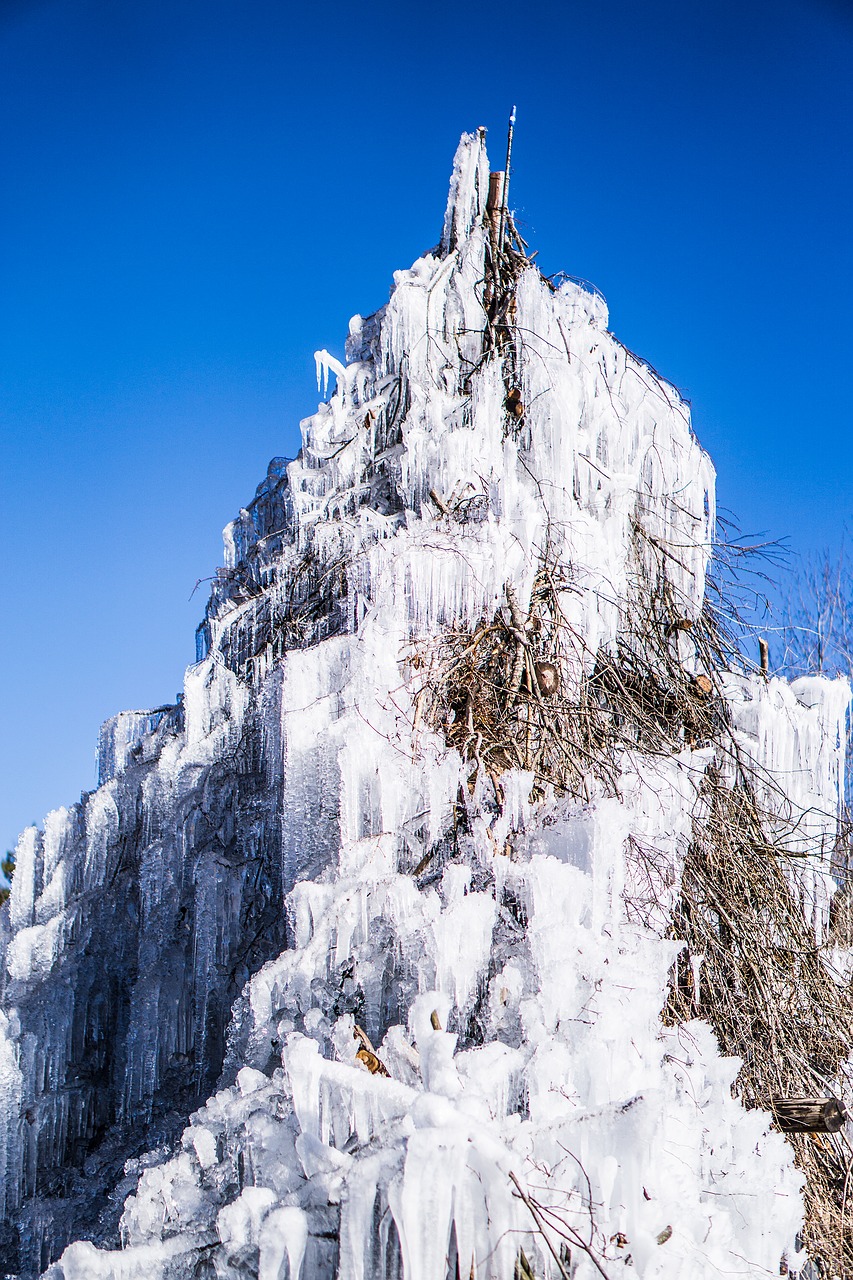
506 177
808 1115
440 503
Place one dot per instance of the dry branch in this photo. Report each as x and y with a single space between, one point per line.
522 691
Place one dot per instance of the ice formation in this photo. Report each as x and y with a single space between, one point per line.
270 890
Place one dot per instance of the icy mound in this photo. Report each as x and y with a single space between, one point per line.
457 1064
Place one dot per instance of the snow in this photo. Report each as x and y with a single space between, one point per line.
245 867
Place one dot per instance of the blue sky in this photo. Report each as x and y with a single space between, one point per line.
196 196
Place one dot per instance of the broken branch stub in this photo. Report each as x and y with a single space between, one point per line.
547 677
808 1115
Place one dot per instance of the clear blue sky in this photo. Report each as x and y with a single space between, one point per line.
198 195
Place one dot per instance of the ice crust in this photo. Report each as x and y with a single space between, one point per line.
254 847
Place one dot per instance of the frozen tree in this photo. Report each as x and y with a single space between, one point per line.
817 613
817 639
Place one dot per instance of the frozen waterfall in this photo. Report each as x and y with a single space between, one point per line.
327 978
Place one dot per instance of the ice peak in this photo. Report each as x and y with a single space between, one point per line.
469 189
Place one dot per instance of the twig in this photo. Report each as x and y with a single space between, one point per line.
575 1238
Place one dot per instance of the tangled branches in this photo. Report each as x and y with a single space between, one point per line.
499 694
524 691
752 967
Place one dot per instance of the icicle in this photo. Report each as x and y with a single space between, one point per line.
326 362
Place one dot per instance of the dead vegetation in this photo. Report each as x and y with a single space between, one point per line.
522 691
752 967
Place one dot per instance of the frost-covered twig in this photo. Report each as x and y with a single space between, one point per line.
571 1235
